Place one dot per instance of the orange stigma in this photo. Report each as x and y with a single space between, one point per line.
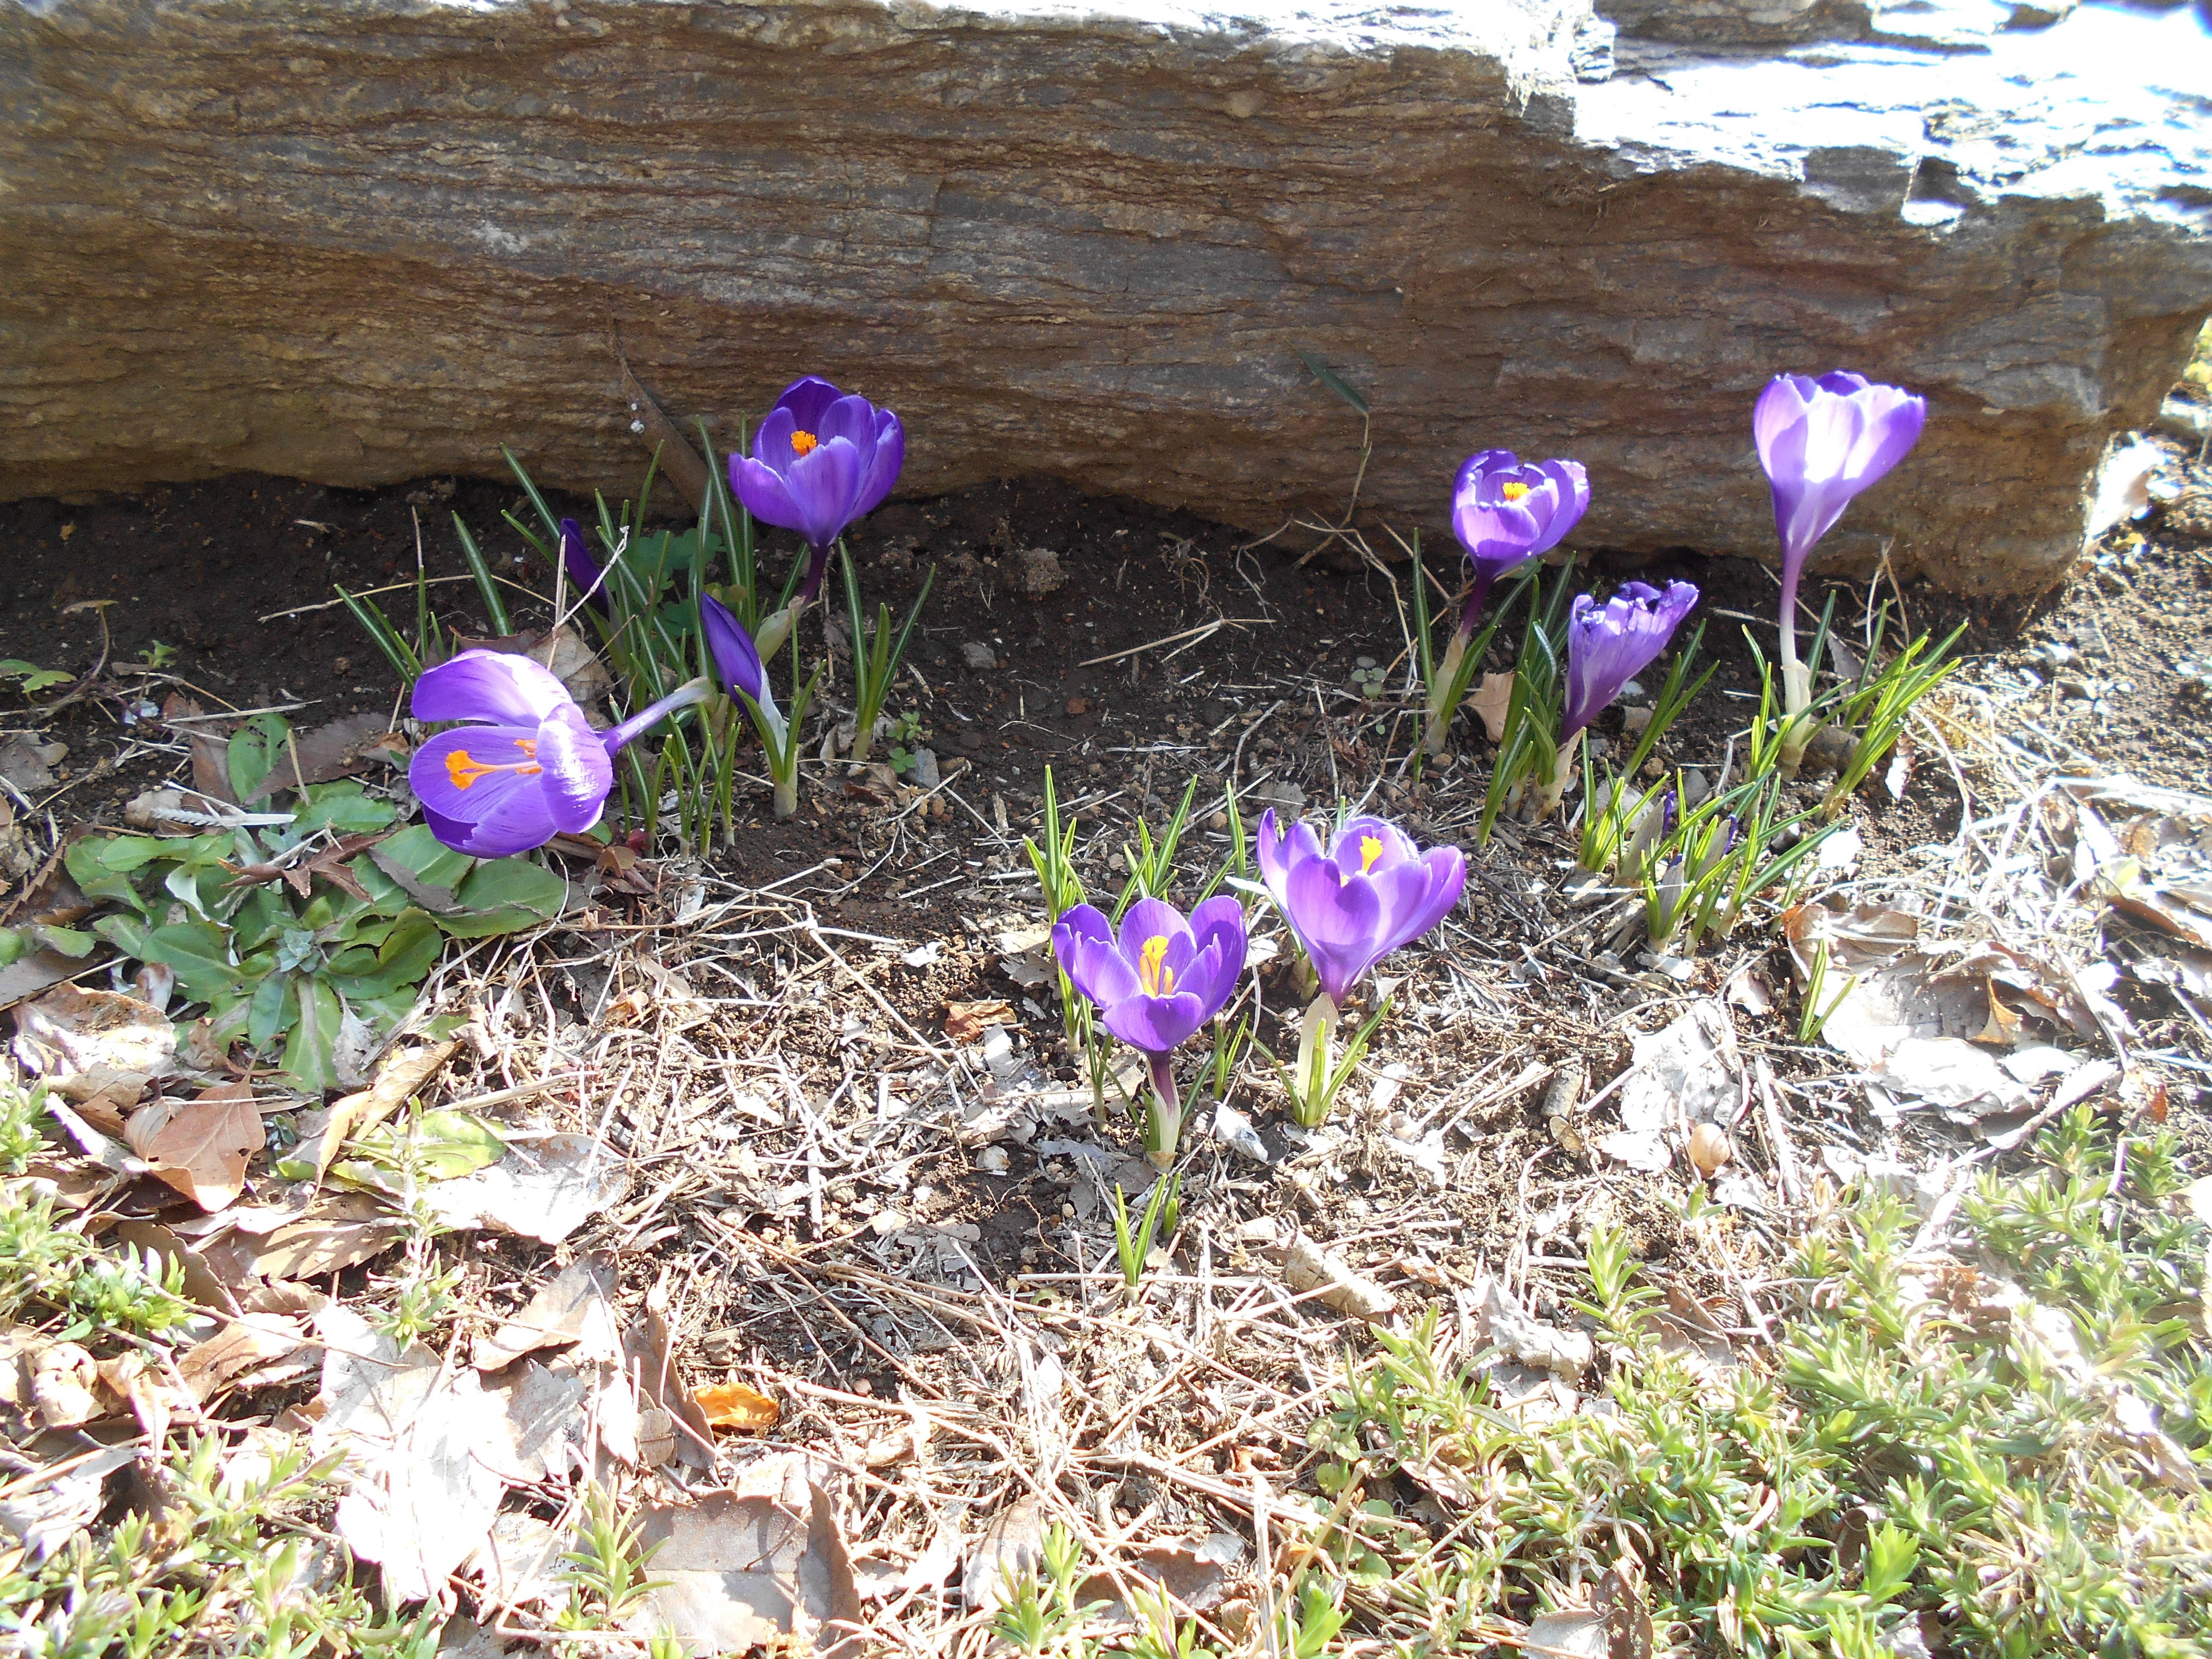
804 443
1514 492
1153 971
464 768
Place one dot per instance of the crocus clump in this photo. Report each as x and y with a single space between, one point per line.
1350 905
1608 646
822 459
528 766
1504 514
1155 985
1822 441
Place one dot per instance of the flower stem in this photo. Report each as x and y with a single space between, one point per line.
1309 1101
1797 684
1164 1122
1553 789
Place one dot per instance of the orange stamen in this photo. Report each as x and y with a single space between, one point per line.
804 443
1514 492
1370 848
464 768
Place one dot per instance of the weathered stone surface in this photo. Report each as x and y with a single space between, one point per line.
359 240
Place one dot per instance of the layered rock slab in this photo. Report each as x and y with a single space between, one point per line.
360 240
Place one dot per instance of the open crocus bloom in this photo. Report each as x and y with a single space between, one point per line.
1821 442
1505 513
1352 904
820 460
1163 977
1609 645
532 766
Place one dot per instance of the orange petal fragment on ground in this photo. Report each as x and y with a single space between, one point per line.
734 1405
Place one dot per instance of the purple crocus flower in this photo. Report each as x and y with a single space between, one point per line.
1821 442
1163 977
584 573
1505 513
1608 645
1155 985
1370 892
737 660
530 766
820 460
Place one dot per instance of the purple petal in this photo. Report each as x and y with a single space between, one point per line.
1569 500
1155 1024
1271 856
1393 846
488 685
1447 872
763 494
1479 465
1339 922
737 659
822 483
1147 920
853 419
1504 534
1218 927
473 778
772 445
1608 646
883 473
578 773
584 574
1099 971
804 400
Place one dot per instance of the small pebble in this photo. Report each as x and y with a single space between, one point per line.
993 1160
976 654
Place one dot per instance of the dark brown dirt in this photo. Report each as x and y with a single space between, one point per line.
205 570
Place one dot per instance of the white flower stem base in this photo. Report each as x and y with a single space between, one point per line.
1164 1121
1317 1039
1552 790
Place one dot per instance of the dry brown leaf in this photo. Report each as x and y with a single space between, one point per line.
736 1572
557 1315
65 1386
676 1427
424 1492
1307 1266
338 750
203 1283
339 1230
541 1190
734 1405
1011 1547
252 1352
966 1021
404 1072
1490 700
94 1044
201 1147
155 1399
